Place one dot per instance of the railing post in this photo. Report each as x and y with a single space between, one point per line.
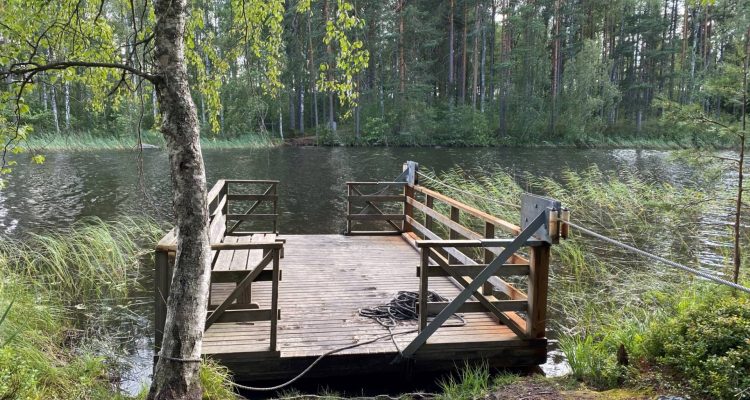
536 317
275 207
348 208
429 201
423 287
274 298
411 168
224 192
455 217
162 279
489 233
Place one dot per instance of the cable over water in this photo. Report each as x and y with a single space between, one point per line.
658 258
609 240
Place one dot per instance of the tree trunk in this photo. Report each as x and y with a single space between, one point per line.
176 375
401 60
292 106
738 209
329 52
491 91
463 60
482 73
301 101
53 105
451 53
475 57
66 91
555 68
154 106
506 72
43 86
312 68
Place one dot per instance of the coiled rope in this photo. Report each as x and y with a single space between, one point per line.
403 307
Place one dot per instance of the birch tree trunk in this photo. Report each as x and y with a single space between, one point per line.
66 90
53 105
176 375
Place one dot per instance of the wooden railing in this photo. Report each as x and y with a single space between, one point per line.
366 208
223 223
461 242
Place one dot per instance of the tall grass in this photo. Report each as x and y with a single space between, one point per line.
89 142
92 260
41 278
602 298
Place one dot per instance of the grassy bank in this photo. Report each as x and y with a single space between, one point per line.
89 142
55 294
345 137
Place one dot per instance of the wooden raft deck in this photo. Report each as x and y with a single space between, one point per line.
278 302
325 280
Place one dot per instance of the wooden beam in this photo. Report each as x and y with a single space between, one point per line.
236 276
452 223
252 197
251 315
377 197
434 307
473 270
215 190
505 225
275 299
250 217
375 217
168 241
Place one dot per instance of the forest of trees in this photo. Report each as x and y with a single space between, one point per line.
451 72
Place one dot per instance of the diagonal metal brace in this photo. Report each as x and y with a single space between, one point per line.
469 290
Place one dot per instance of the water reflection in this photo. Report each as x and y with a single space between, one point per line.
70 186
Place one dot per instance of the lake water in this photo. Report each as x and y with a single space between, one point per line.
70 186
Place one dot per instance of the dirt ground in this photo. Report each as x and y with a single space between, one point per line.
548 390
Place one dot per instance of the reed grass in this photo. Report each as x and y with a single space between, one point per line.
600 296
89 142
92 260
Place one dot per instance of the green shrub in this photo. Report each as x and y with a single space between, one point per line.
708 347
376 131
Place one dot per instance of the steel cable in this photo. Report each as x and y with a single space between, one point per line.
657 258
611 241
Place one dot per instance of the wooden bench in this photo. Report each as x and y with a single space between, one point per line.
238 258
232 265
